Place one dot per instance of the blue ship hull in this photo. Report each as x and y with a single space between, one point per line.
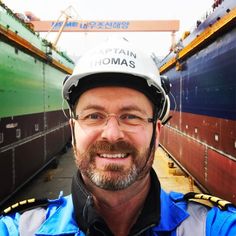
202 133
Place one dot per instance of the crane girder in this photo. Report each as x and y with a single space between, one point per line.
108 26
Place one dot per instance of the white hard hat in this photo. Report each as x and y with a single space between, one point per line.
117 63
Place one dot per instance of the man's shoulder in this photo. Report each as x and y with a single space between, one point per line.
209 200
32 203
33 212
218 216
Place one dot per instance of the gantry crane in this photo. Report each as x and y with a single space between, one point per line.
103 25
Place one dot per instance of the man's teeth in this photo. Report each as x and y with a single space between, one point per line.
118 155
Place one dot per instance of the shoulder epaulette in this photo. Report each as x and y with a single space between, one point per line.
25 205
208 200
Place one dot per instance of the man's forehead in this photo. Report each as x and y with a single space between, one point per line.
112 88
107 91
127 97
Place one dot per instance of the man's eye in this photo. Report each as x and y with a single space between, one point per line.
94 116
129 117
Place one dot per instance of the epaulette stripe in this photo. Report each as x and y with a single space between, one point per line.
23 202
7 210
217 200
15 205
222 204
24 205
31 200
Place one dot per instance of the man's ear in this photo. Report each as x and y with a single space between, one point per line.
158 131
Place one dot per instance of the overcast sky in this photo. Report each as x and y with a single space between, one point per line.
187 11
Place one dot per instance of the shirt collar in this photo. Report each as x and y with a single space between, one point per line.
60 218
171 214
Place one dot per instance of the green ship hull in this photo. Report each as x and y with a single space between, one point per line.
33 128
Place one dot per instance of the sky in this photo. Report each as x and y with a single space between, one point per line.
187 11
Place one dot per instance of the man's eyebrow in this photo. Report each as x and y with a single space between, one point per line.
127 108
93 106
133 108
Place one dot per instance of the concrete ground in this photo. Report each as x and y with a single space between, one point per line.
172 178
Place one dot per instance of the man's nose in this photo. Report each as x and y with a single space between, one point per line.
112 130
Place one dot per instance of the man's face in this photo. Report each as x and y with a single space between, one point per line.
112 136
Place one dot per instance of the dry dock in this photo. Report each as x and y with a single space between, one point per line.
172 178
51 181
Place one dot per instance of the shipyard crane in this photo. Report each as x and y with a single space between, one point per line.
103 25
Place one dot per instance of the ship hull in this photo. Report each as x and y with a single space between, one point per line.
33 128
201 136
192 146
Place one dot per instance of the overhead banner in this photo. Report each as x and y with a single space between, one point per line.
109 26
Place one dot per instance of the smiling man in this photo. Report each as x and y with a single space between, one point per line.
117 111
108 150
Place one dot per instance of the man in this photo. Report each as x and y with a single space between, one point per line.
118 103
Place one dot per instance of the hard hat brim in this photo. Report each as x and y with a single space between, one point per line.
75 86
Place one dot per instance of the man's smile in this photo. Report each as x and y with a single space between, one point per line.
113 156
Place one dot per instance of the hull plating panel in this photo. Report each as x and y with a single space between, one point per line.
208 154
24 150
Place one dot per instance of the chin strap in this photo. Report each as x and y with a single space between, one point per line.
73 132
72 116
153 139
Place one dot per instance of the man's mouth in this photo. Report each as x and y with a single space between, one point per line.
113 156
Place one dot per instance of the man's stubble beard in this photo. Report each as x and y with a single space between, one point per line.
114 177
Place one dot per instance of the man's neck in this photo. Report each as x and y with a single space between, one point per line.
120 209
